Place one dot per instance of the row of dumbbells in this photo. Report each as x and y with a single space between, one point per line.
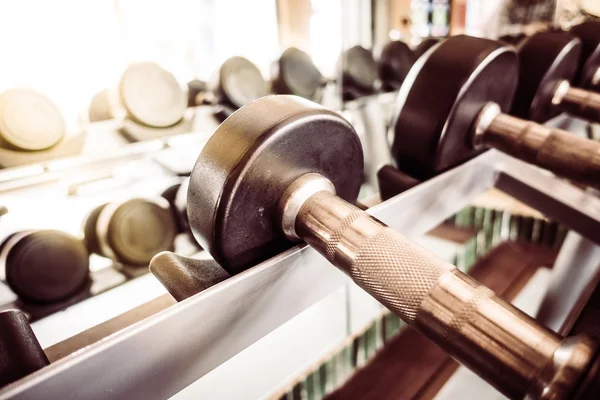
439 122
49 269
150 96
283 169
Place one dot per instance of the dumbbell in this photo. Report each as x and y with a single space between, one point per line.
44 266
425 45
29 121
359 73
283 169
588 75
450 109
100 108
394 63
20 351
176 196
151 95
295 73
198 93
235 83
131 232
548 62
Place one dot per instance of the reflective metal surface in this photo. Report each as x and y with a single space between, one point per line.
506 347
575 275
166 352
556 150
581 103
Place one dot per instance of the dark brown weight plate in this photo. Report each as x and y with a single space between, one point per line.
89 230
441 98
589 34
295 73
176 195
359 69
20 351
239 82
545 59
137 229
425 45
395 62
250 161
45 266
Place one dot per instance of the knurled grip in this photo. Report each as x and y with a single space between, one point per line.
571 156
556 150
504 346
397 272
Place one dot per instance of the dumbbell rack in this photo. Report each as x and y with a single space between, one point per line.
168 351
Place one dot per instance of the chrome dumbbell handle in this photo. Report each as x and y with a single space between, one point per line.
578 102
494 339
556 150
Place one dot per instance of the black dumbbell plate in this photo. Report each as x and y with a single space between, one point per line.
251 160
441 97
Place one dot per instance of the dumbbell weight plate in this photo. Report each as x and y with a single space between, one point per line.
295 73
195 87
20 351
545 59
239 178
45 266
136 230
176 195
591 7
29 121
441 98
589 34
5 242
89 230
239 82
359 69
100 107
425 45
151 95
395 62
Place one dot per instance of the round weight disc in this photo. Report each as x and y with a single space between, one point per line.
6 241
589 34
138 229
240 82
425 45
29 120
180 205
100 108
195 87
46 266
545 59
89 230
395 62
296 74
360 69
441 98
151 95
592 7
174 195
251 160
